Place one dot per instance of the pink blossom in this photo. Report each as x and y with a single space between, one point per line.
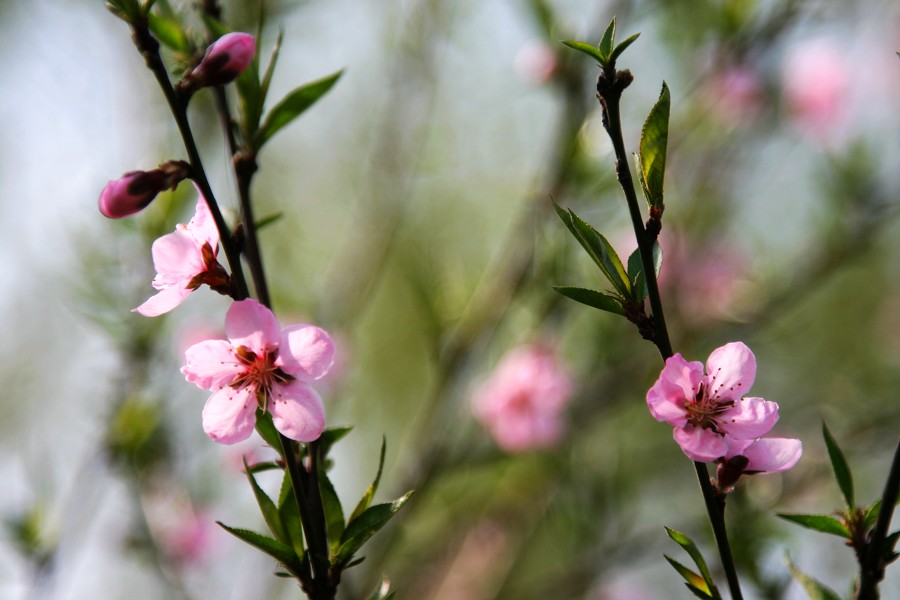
735 95
536 62
816 85
225 59
709 411
260 366
185 260
749 457
522 402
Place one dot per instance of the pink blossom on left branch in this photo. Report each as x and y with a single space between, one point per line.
224 61
261 366
184 260
522 403
133 191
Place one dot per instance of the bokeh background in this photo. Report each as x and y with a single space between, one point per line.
417 229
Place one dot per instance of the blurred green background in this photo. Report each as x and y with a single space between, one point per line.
418 230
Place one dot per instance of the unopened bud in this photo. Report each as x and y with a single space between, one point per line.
134 190
225 59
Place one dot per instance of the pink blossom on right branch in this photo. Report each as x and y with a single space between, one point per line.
522 402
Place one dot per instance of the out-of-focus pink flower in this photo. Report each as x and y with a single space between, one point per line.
133 191
816 78
188 539
225 59
709 410
735 95
260 366
522 402
185 260
536 62
705 278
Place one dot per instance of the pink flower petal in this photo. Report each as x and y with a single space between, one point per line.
297 411
749 418
163 302
249 323
229 415
677 384
202 226
700 444
211 365
307 352
176 258
731 371
773 455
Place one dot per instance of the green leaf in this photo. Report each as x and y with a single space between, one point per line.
636 271
652 155
593 298
334 514
872 514
605 47
280 552
599 249
691 548
587 49
841 469
268 220
270 68
692 578
823 523
329 438
366 500
169 33
814 589
267 431
267 507
292 106
289 513
359 530
621 47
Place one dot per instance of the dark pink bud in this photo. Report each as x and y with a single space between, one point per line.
134 190
225 59
131 193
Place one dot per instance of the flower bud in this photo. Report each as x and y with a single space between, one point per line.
225 59
134 190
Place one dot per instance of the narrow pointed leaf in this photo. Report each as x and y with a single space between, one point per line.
334 514
268 220
691 548
289 514
823 523
329 438
270 68
697 592
607 41
841 469
266 429
813 589
689 576
652 156
365 526
267 508
292 106
592 298
280 552
587 49
366 500
621 47
599 249
872 514
636 271
169 33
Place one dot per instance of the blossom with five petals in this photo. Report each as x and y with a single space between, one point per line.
185 260
709 411
260 366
